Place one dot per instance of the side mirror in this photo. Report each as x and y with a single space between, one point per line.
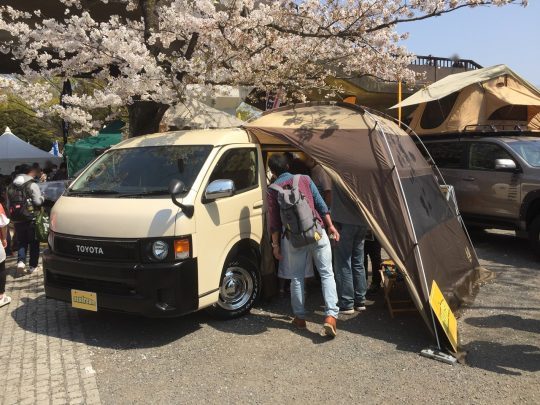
219 189
178 187
505 164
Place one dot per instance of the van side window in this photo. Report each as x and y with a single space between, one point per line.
448 155
240 166
482 155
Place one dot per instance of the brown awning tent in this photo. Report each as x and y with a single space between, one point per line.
493 97
382 170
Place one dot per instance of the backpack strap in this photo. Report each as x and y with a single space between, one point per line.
296 180
275 187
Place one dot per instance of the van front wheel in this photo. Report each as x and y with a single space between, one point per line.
239 288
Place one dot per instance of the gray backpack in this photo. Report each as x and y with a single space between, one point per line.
298 219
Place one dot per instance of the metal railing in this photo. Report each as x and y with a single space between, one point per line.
435 61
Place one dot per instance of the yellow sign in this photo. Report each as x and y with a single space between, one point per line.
84 300
444 314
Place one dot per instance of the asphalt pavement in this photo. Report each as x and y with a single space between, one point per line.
51 353
374 359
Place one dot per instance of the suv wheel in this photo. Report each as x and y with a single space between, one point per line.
534 234
239 288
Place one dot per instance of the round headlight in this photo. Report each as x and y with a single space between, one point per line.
160 250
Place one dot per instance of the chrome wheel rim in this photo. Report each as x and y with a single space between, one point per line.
236 289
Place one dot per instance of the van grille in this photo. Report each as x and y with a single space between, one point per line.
97 249
87 284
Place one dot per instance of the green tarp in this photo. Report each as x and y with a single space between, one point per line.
82 152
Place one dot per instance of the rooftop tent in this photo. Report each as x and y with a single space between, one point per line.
494 96
82 152
382 170
14 151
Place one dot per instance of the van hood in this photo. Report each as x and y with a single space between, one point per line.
125 218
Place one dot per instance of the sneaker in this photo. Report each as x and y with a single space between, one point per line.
330 328
346 311
361 306
5 300
32 269
21 266
299 323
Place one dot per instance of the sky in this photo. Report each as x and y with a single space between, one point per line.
487 35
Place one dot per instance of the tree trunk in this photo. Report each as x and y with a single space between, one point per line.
144 117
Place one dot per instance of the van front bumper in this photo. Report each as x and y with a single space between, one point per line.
154 290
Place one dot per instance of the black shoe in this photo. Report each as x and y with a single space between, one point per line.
360 306
373 289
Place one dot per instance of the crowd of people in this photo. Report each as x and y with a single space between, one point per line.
20 200
337 240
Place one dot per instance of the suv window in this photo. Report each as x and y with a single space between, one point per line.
448 155
240 166
482 155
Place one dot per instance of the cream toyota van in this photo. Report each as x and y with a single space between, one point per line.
162 225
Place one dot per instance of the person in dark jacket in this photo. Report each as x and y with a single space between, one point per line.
26 231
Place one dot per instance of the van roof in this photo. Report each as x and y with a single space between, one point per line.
214 137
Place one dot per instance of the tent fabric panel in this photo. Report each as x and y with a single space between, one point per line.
469 110
449 241
534 118
304 118
359 160
407 157
510 91
14 152
426 202
82 152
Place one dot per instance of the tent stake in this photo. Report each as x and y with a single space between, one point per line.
439 356
415 239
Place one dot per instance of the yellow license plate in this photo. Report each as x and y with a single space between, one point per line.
84 300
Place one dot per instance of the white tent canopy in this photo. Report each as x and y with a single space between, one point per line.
195 114
14 151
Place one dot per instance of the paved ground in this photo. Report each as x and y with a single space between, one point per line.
259 359
43 354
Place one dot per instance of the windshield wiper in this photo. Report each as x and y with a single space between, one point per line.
91 192
145 193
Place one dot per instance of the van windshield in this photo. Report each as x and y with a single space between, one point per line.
141 171
529 150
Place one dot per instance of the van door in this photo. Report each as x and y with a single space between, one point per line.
488 192
223 222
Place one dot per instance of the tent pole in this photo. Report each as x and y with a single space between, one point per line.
399 102
446 184
415 239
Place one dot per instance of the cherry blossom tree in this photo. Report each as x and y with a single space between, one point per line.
152 54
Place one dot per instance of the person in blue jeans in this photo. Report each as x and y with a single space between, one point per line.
320 250
25 231
349 253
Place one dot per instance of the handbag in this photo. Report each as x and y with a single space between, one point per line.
42 226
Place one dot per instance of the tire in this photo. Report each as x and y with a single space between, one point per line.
239 289
534 234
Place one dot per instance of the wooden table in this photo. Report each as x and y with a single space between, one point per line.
391 277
